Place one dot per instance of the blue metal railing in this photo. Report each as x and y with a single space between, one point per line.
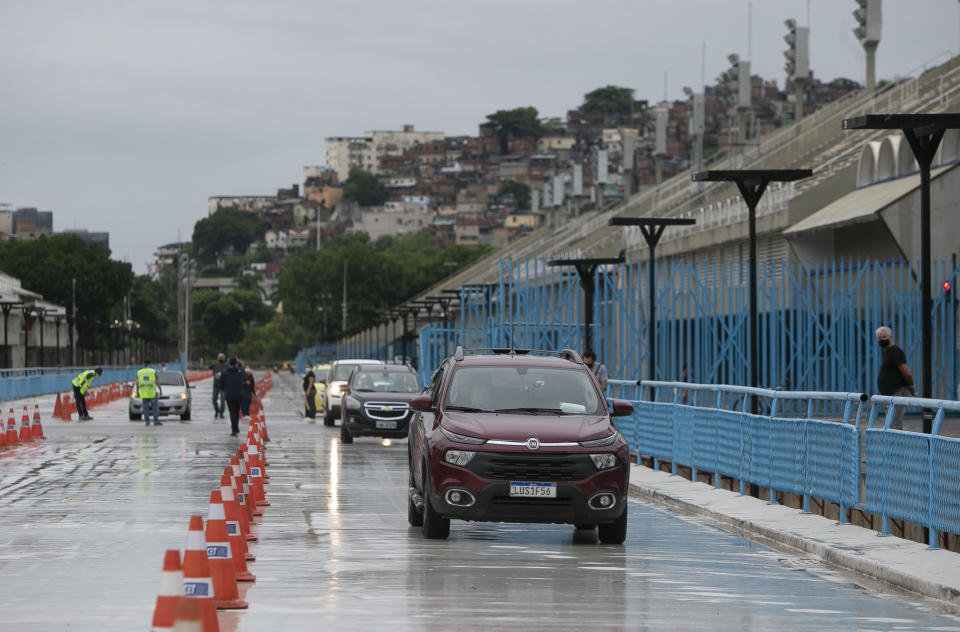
910 476
20 383
913 476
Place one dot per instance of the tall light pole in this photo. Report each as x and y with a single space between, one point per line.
737 82
869 23
696 128
798 62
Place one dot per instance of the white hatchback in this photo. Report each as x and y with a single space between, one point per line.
337 377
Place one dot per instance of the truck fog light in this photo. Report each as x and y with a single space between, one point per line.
603 500
459 497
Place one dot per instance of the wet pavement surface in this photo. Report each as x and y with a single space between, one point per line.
86 515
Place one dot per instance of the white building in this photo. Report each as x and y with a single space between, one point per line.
346 152
394 222
243 202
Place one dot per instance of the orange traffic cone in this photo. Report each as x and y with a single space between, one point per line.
256 476
171 591
196 573
66 408
11 430
188 616
238 543
243 517
25 433
57 411
226 595
35 426
246 486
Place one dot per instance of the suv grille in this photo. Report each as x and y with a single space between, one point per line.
387 410
532 467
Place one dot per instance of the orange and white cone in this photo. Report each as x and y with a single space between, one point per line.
256 476
235 535
248 496
35 427
188 616
244 516
171 591
57 407
25 433
197 583
12 430
243 490
226 594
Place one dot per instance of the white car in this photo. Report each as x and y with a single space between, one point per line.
175 399
337 377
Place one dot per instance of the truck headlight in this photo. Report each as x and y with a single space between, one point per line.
458 457
604 461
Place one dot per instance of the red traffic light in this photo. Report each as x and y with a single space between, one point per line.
946 286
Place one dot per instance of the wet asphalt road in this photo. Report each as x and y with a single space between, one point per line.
85 518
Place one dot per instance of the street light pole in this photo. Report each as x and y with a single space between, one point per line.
652 229
586 268
924 133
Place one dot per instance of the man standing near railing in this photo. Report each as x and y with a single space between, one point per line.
894 377
80 385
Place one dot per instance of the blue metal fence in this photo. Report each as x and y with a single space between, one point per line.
816 323
20 383
909 476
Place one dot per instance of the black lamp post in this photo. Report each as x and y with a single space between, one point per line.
924 133
652 229
57 319
752 183
41 316
6 304
585 270
26 310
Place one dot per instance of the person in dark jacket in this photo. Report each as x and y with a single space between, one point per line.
231 381
249 385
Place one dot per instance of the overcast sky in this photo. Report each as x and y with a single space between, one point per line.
126 115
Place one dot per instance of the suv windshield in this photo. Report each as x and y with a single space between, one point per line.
342 371
523 389
169 378
386 382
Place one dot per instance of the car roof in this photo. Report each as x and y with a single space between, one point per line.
509 359
383 368
358 361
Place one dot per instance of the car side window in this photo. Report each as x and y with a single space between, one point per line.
435 383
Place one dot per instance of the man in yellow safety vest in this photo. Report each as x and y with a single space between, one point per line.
149 393
80 385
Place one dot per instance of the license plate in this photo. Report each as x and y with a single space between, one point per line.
533 490
386 425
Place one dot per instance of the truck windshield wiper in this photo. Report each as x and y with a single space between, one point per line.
467 409
530 409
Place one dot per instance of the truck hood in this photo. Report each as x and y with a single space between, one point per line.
514 427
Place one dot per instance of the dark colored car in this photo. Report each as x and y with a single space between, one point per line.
517 437
376 403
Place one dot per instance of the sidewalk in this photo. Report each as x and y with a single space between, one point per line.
900 563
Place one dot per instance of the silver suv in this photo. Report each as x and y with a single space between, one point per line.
336 382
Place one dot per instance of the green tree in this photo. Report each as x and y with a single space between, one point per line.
519 191
608 100
275 341
49 264
225 318
364 188
227 229
380 276
519 122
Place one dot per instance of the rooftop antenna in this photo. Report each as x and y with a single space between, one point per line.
703 66
664 85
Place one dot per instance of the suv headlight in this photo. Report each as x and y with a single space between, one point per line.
183 395
599 443
458 457
604 461
459 438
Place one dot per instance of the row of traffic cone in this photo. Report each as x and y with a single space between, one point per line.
216 555
65 405
30 429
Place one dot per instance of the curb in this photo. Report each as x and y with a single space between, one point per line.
903 564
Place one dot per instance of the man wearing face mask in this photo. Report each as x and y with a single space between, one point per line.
894 377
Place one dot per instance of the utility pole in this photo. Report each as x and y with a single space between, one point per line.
869 23
798 62
344 325
73 326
